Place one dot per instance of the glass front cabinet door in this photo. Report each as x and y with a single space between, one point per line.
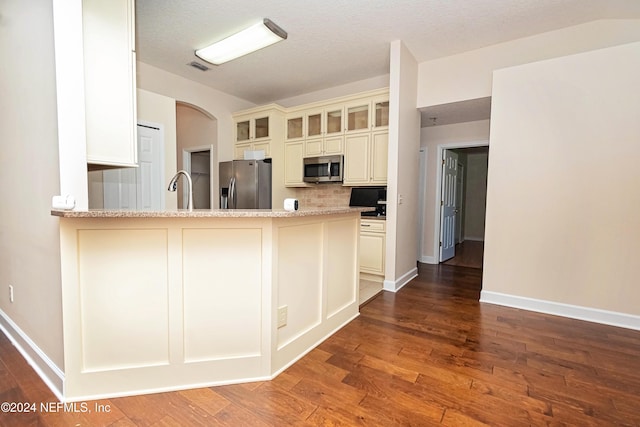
242 130
357 117
334 120
381 113
294 128
252 128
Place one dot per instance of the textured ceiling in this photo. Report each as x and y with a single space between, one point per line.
335 42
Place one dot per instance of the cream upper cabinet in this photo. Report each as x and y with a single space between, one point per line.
331 132
239 149
110 82
366 141
294 127
365 158
358 115
264 128
252 127
314 124
258 129
379 157
324 121
380 113
320 128
334 120
293 172
324 146
356 159
354 126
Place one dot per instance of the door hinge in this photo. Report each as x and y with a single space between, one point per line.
440 244
441 202
443 162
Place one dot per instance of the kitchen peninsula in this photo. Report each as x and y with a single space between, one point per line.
165 300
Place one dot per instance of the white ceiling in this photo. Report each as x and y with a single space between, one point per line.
334 42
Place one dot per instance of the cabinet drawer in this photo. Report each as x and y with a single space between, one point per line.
372 226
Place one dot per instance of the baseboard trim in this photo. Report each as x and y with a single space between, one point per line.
52 376
429 260
396 285
371 277
595 315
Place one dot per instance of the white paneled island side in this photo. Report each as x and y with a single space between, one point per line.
168 300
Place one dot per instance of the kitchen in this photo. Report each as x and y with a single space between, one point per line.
323 251
288 139
316 243
157 95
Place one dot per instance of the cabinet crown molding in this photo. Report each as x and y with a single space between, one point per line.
318 104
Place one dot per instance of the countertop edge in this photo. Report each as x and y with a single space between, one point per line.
208 213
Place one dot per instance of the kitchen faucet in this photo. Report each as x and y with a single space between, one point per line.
173 186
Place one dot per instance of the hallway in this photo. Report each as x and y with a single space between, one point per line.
468 254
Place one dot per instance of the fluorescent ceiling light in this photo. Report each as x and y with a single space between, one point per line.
246 41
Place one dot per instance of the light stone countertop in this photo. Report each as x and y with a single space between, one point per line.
208 213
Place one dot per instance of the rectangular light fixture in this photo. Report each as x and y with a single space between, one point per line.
246 41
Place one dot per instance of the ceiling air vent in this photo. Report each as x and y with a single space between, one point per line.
198 65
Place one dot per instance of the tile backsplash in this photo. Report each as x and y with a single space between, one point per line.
323 196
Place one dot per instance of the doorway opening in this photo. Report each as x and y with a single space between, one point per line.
198 161
461 203
197 132
140 188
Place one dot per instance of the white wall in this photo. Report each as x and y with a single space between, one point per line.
448 136
402 186
29 172
563 201
70 98
217 104
468 75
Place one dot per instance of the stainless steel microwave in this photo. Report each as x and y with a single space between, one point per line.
323 169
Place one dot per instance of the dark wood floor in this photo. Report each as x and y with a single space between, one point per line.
429 355
469 253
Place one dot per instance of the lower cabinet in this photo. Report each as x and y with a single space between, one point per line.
372 246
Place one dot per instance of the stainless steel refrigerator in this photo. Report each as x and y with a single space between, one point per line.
245 184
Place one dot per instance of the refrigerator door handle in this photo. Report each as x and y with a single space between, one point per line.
232 191
329 169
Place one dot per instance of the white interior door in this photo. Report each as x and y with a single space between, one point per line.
149 174
142 187
448 203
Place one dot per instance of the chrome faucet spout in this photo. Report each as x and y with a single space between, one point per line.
173 186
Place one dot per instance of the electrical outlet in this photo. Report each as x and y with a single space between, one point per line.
10 293
282 316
